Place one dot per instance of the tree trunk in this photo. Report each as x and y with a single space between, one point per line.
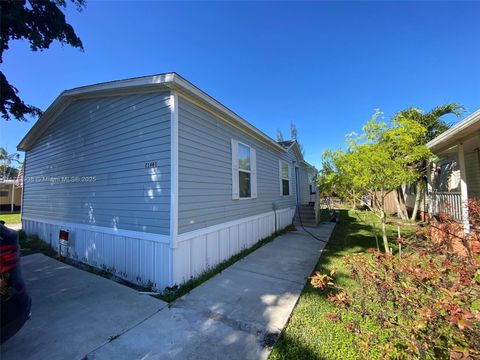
397 203
401 198
383 219
384 233
418 197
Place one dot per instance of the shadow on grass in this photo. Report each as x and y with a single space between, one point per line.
309 334
292 347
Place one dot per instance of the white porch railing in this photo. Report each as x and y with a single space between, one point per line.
446 202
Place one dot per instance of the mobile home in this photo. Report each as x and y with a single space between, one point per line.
155 180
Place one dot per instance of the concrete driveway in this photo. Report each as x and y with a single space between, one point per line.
73 312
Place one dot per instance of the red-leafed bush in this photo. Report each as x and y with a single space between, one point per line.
449 234
423 305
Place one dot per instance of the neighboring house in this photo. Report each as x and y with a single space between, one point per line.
156 180
455 177
10 196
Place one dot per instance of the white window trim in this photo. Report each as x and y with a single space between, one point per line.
236 170
280 176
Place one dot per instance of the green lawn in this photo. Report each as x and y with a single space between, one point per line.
10 218
308 335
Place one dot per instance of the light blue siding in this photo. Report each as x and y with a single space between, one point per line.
111 139
205 172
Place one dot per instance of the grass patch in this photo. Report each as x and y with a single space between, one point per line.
11 218
308 334
170 295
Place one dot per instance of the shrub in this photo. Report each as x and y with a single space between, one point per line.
449 234
424 305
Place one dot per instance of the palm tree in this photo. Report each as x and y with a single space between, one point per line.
434 125
432 120
8 159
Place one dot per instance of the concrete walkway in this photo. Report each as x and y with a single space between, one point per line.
238 314
73 312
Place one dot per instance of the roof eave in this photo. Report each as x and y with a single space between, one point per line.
60 103
295 146
309 165
183 84
443 139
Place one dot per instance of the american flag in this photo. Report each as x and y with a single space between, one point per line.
19 180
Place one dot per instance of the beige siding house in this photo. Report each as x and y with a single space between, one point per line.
10 196
455 176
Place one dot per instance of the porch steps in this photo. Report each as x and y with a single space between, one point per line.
307 215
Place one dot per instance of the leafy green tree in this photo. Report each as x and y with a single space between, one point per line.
326 177
40 22
336 178
434 125
377 161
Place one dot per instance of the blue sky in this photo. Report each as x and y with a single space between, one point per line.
323 65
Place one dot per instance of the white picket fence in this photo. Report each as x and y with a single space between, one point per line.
446 202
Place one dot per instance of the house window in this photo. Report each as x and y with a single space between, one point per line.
284 178
244 176
244 171
4 193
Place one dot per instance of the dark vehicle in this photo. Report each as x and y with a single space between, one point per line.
15 302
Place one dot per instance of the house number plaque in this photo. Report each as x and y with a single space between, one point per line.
151 165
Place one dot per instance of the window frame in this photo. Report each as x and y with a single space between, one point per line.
236 171
243 170
289 179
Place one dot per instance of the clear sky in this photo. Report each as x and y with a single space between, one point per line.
323 65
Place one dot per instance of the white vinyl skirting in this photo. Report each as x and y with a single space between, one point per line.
134 256
143 258
200 250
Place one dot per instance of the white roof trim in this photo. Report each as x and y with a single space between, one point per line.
167 80
310 166
449 135
294 145
300 155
